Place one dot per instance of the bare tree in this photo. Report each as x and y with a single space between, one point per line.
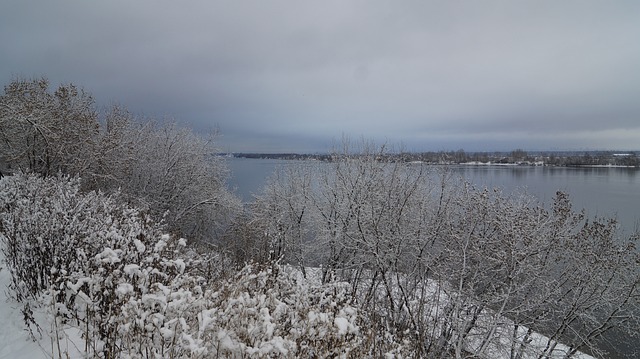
170 171
46 132
282 212
456 270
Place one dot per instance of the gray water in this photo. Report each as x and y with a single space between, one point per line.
603 192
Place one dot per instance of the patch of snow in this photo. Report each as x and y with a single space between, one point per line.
124 289
161 244
15 340
139 245
342 324
108 255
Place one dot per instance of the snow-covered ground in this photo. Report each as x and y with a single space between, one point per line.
15 341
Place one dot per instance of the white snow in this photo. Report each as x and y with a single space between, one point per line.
342 324
124 289
15 342
140 247
161 244
108 255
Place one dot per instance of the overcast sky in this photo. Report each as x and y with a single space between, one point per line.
293 76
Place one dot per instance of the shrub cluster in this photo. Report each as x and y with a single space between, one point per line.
105 270
460 269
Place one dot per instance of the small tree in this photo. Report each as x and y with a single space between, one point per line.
46 132
282 214
175 175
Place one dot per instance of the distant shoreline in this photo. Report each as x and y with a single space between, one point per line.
595 159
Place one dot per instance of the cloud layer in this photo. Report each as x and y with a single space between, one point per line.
292 76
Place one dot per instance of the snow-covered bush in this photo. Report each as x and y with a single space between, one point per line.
105 270
93 259
263 311
50 230
71 246
452 268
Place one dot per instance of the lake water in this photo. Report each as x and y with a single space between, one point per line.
605 192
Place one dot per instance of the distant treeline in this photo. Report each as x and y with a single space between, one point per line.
518 156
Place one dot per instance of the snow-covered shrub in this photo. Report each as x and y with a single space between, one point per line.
93 259
167 170
130 295
106 271
263 311
50 229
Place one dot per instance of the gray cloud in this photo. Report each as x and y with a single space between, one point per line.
292 76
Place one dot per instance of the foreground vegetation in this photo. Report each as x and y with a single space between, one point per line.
366 257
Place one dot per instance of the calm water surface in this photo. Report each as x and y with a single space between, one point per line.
605 192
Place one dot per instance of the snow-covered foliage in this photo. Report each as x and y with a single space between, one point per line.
454 268
263 311
47 131
86 255
168 171
171 172
115 286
